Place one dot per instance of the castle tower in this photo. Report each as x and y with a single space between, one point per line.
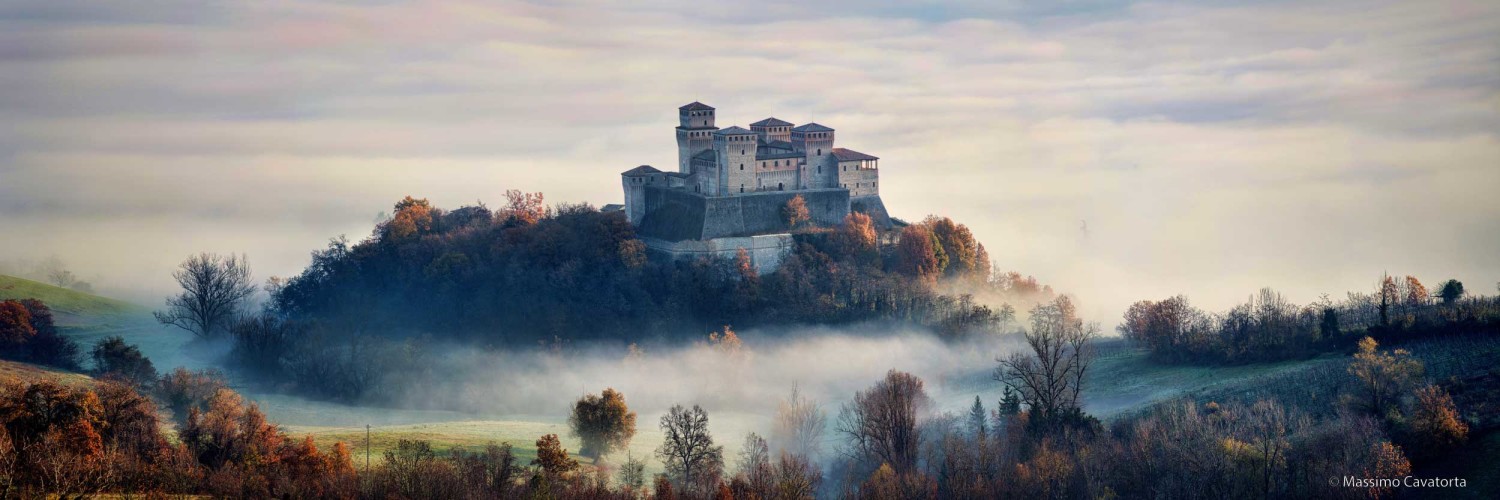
816 141
694 133
734 149
772 130
635 181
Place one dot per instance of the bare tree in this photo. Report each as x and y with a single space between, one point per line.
687 450
1050 378
213 290
881 422
799 424
755 468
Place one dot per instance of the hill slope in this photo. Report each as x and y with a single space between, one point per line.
71 307
27 372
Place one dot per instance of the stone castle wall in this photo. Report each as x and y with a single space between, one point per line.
676 215
766 251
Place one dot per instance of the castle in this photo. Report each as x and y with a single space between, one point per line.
731 184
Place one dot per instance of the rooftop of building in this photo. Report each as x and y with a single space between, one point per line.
641 170
695 106
844 154
811 127
771 122
734 130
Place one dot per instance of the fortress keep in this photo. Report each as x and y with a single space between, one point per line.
730 185
733 181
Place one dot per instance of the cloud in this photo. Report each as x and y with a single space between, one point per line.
1210 149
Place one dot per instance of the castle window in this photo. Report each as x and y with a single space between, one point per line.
742 151
780 187
742 166
820 151
742 188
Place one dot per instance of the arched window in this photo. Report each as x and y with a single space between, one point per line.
780 187
742 188
742 166
820 151
742 151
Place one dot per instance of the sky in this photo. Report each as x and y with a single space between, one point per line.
1117 151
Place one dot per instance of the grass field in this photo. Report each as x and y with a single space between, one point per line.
16 370
471 435
1125 379
71 308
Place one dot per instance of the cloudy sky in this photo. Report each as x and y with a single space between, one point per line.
1116 150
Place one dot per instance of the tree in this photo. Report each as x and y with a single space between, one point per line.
523 209
56 272
857 235
632 475
62 278
214 288
184 391
604 423
1381 377
687 450
15 325
1389 296
1416 293
552 457
1435 426
798 426
1050 379
662 488
413 217
129 419
114 358
957 244
977 419
1451 291
1010 403
28 333
796 478
918 252
795 213
755 470
881 422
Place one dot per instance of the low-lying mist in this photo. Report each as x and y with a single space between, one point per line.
828 364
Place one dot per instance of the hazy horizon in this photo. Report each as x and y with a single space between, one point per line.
1116 151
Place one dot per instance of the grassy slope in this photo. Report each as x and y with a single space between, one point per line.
71 308
27 372
1126 379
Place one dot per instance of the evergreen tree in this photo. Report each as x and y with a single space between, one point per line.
1010 403
976 419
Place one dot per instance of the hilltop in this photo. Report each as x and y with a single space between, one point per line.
71 307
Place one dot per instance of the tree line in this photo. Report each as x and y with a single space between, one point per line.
1268 327
527 272
890 442
351 325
